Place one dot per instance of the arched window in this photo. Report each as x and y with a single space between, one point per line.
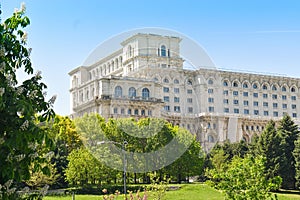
283 89
210 82
274 88
255 86
225 83
293 89
132 92
176 81
120 60
136 111
118 91
163 51
117 63
211 138
166 80
112 66
245 85
145 93
235 84
155 79
265 87
129 51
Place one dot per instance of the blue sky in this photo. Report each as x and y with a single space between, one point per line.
251 35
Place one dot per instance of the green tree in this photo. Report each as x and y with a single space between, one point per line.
85 169
63 132
289 131
20 135
296 155
244 178
269 145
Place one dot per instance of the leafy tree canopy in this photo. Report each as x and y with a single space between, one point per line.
22 104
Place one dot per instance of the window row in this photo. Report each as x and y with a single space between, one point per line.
176 90
255 103
130 111
132 92
106 68
168 108
255 94
257 112
177 109
167 99
175 81
255 85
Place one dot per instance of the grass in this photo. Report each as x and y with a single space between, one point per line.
186 192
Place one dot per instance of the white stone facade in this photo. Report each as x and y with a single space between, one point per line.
146 78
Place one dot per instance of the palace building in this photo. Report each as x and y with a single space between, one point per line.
146 78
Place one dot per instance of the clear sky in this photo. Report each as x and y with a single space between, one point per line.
251 35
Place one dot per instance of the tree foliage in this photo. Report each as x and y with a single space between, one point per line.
102 139
63 132
20 135
289 131
270 146
244 178
296 154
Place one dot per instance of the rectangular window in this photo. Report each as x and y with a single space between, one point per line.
274 96
176 99
176 90
210 100
225 101
236 110
166 99
122 111
211 109
255 95
256 112
284 106
266 113
189 91
246 103
235 101
294 115
265 104
190 109
136 111
167 108
226 110
293 98
246 111
275 114
210 91
265 96
225 92
115 110
275 105
166 89
245 94
176 108
189 100
129 111
235 93
255 103
149 112
294 106
284 97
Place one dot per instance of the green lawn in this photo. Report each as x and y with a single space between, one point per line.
186 192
